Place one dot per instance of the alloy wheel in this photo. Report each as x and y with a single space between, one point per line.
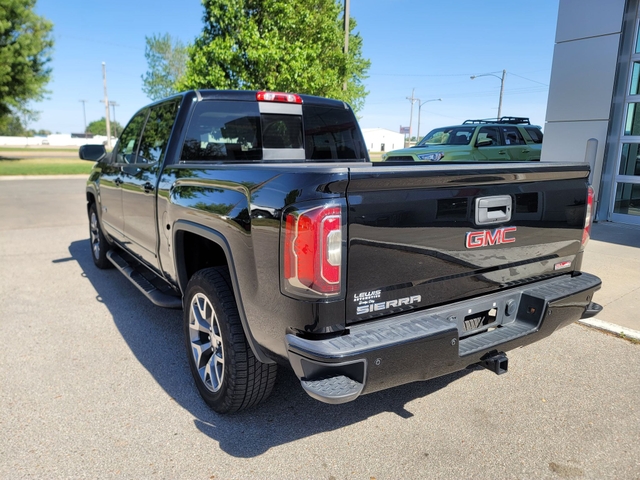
206 342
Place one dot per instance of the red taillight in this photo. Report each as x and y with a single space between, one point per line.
586 233
278 97
312 251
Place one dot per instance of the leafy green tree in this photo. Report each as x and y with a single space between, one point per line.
12 127
99 127
166 60
291 46
25 49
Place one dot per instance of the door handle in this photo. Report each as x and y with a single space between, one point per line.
148 188
502 152
526 150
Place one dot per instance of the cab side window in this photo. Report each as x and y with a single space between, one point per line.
512 136
129 139
157 130
331 134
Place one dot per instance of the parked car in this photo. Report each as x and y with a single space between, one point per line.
261 216
506 138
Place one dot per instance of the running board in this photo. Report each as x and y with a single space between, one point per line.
157 296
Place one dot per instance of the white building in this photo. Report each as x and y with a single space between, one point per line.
593 113
382 140
54 140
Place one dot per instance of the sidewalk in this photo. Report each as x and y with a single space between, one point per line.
613 254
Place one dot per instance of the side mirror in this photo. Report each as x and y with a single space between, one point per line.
485 142
92 152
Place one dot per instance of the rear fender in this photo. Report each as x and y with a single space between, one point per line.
182 226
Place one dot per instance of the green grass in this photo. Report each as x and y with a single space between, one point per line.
375 156
45 166
39 149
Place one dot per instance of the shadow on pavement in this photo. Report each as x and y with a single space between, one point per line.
608 232
155 338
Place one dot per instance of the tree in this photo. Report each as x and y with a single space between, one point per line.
166 59
99 127
12 127
290 46
25 49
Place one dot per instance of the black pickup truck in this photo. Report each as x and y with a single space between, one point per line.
260 215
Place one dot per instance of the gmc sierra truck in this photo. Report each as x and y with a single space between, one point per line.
262 217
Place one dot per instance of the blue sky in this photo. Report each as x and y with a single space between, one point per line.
431 47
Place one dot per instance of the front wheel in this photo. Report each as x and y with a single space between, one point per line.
227 374
99 245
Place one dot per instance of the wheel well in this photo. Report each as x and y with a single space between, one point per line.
196 253
90 200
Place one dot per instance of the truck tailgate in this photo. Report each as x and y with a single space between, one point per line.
421 236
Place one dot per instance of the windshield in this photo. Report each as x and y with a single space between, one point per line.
448 136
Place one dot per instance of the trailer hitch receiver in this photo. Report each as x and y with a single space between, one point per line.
497 362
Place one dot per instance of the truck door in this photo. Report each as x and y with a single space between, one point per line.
111 178
139 182
495 150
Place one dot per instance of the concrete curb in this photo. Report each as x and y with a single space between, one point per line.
611 328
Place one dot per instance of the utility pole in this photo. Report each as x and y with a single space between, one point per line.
413 100
504 73
84 114
115 128
346 34
106 104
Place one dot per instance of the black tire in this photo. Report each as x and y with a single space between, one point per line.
228 375
99 244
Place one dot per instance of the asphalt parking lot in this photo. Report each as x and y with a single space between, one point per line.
94 383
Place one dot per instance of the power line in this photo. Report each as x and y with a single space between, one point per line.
418 75
525 78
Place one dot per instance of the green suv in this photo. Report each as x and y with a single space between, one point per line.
505 138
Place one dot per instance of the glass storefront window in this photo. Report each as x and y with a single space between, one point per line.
630 159
627 199
632 124
635 79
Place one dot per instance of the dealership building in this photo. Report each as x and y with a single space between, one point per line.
382 140
593 111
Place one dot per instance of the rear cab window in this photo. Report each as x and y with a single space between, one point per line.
246 131
223 131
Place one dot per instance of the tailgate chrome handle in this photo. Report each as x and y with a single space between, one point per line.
496 209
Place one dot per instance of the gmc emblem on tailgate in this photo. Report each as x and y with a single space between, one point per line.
489 237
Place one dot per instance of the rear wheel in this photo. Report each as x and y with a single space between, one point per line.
99 245
225 370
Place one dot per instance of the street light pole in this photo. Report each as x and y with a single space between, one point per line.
504 74
84 114
420 108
